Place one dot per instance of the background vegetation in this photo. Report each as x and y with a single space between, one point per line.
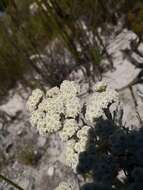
67 29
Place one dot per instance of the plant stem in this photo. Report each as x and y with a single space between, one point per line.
10 182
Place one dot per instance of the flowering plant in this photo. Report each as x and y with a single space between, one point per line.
63 111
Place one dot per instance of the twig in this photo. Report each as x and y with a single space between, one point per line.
136 105
10 182
135 81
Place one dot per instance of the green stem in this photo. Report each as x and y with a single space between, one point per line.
11 182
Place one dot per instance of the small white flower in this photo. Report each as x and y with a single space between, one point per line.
98 102
36 116
71 157
34 99
53 92
52 105
72 107
80 146
93 111
69 129
83 132
53 123
69 89
64 186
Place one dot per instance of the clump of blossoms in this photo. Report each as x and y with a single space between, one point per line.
56 109
34 99
61 110
100 100
66 186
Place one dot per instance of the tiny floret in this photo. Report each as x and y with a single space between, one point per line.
83 132
34 99
69 129
53 123
36 117
81 144
65 186
72 107
53 92
99 101
71 157
69 89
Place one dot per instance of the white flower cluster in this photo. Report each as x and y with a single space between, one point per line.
71 157
99 100
69 129
60 110
55 110
75 146
65 186
82 135
34 99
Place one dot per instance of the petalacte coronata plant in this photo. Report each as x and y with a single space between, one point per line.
97 144
62 110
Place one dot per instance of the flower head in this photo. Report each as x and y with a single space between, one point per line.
65 186
69 129
34 99
99 101
48 112
53 92
69 89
